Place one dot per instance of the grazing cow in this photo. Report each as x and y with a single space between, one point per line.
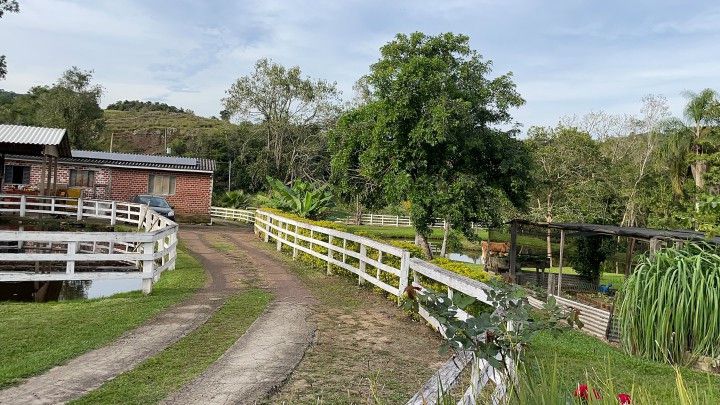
495 248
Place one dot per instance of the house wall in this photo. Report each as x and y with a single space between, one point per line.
191 200
193 191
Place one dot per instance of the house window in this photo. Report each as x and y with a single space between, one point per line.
81 178
161 184
17 174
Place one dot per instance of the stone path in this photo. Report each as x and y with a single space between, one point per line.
265 356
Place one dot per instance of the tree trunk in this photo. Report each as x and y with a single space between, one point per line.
446 232
422 241
548 219
358 211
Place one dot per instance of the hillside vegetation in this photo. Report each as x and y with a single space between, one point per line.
144 131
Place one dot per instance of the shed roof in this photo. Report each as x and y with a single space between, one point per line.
32 140
133 160
626 231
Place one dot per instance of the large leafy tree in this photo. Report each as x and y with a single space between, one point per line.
292 112
428 133
6 6
71 103
702 110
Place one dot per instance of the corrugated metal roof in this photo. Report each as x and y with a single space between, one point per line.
31 135
90 157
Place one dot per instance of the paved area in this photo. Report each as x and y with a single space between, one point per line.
265 356
90 370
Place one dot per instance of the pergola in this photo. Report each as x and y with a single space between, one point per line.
50 143
653 236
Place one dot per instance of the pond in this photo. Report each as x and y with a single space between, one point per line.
44 291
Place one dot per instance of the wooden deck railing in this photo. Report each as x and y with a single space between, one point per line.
111 255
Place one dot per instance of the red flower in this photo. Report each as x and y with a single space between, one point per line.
583 392
624 399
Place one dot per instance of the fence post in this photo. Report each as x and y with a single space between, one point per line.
278 244
397 220
23 203
70 264
267 228
361 265
79 209
113 213
329 255
147 267
295 251
404 273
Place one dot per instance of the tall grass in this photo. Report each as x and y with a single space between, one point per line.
670 305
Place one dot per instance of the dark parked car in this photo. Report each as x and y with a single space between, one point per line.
158 204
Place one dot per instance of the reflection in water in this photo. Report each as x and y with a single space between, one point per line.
44 291
466 257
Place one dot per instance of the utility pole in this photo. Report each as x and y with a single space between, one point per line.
112 137
229 172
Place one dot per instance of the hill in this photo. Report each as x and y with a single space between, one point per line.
144 131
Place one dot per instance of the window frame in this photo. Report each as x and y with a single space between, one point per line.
171 185
88 178
25 168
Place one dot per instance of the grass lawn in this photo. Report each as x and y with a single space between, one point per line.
38 336
170 370
578 355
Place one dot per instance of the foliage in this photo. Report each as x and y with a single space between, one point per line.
498 335
6 6
669 305
300 198
462 269
71 103
145 106
589 253
431 112
290 113
234 199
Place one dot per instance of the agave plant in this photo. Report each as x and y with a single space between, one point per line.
301 198
670 305
234 199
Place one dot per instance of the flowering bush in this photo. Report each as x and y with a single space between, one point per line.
583 392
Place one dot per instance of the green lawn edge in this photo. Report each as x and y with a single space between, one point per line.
180 363
39 336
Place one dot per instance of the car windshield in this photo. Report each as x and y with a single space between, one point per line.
154 201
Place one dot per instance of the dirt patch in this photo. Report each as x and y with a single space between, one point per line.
367 350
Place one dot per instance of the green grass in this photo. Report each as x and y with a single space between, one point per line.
223 247
617 280
579 355
38 336
165 373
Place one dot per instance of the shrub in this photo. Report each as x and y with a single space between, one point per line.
669 305
462 269
234 199
301 198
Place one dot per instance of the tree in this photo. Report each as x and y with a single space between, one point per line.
71 103
427 134
702 111
6 6
292 112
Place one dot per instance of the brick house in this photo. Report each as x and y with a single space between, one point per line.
186 183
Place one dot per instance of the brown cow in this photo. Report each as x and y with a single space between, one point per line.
493 247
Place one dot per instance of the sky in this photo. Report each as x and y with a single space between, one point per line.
567 57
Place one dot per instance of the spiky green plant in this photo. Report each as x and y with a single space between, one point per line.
234 199
300 198
670 306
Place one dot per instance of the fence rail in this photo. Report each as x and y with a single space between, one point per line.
233 214
386 267
390 220
140 255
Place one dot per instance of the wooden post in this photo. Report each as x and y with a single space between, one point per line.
147 267
55 171
512 259
49 174
113 213
361 265
329 255
79 209
267 228
42 174
405 273
560 261
70 264
278 244
23 205
295 251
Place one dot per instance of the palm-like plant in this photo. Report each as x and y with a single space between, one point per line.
301 198
234 199
702 108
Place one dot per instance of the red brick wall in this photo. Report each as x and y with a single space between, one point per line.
102 178
193 191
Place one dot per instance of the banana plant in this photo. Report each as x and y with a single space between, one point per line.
300 198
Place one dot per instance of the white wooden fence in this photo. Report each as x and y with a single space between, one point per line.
233 214
389 268
391 220
110 255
